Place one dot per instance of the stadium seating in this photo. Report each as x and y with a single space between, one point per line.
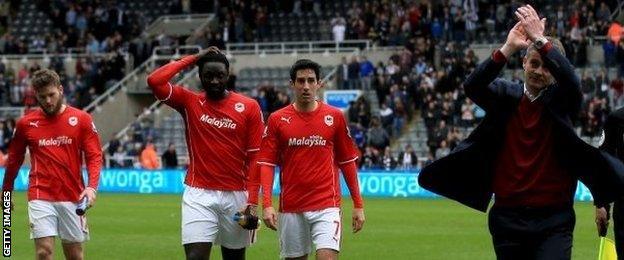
249 78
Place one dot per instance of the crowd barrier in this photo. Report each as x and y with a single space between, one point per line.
397 184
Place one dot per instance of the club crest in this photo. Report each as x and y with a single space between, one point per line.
239 107
329 120
73 121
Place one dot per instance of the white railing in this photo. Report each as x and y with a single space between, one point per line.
299 47
176 52
46 56
180 18
14 112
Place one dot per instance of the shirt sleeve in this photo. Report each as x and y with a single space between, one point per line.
253 178
268 150
90 146
255 127
158 81
266 180
17 149
349 172
344 147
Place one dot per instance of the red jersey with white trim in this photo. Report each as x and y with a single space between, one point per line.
219 134
56 144
308 146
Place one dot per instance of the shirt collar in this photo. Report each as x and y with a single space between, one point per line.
532 97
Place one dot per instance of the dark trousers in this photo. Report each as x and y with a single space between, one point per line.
618 226
532 233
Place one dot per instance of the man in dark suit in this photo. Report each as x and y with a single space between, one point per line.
613 144
525 150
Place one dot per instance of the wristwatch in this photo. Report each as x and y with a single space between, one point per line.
540 42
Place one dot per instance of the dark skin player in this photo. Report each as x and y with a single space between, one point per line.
213 76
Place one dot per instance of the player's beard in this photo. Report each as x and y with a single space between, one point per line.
52 110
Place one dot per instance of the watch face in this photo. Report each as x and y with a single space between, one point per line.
539 43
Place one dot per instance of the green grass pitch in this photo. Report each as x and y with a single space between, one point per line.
135 226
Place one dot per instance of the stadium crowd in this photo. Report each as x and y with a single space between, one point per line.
407 83
92 76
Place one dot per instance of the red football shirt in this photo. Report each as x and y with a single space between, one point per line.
56 144
219 134
308 146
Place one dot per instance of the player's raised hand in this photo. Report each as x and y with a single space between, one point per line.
270 218
358 220
532 24
207 50
89 193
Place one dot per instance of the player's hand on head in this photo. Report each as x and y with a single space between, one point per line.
602 221
532 24
210 49
89 193
358 220
270 218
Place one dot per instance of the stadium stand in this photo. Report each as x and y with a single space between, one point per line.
411 91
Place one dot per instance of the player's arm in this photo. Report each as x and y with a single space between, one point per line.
349 171
253 179
254 139
17 149
159 80
90 146
346 155
267 160
266 178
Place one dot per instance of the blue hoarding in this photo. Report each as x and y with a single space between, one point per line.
372 183
340 98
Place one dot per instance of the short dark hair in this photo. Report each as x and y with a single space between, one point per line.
45 77
305 64
556 43
213 56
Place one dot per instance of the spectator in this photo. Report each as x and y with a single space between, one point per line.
444 150
407 158
342 74
119 158
366 73
370 159
170 157
377 136
113 144
354 74
389 162
149 158
338 29
387 117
